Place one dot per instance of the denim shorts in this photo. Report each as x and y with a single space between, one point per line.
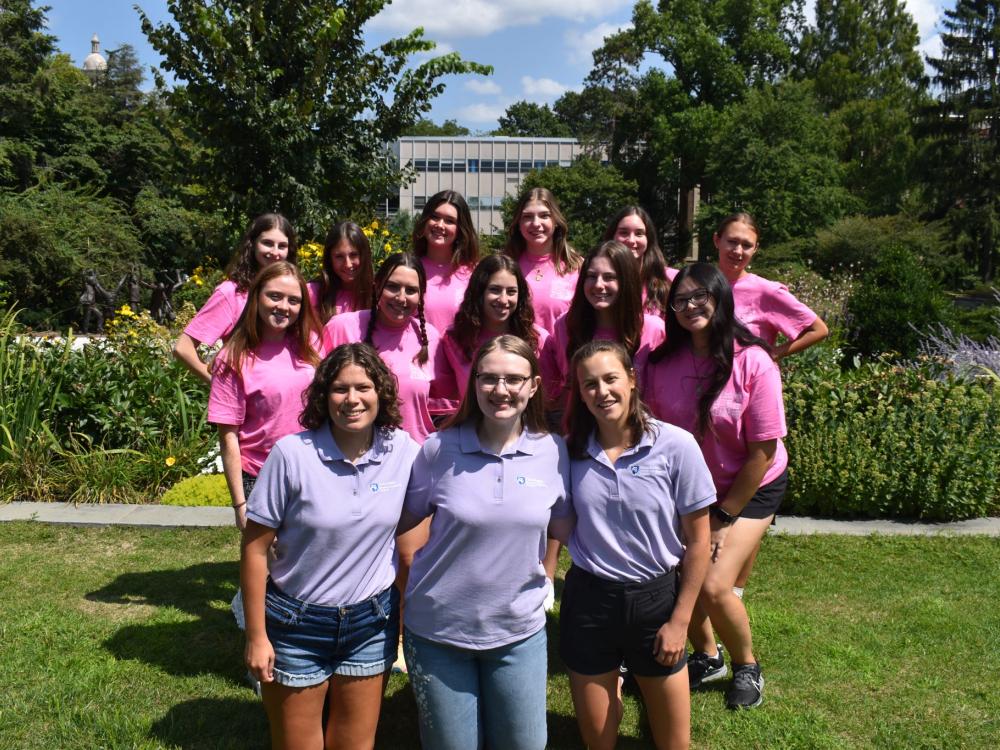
605 623
313 642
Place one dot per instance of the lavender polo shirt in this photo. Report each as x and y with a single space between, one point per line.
336 520
478 583
628 525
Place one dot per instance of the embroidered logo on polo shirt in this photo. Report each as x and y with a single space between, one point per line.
529 482
384 486
634 468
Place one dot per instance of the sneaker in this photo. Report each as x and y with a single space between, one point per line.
747 689
703 668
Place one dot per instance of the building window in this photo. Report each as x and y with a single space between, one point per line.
473 165
419 201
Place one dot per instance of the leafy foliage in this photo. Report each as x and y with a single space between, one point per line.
293 110
531 120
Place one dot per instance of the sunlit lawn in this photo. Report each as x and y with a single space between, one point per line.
122 638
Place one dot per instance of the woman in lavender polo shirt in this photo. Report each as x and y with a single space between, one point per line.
494 482
323 623
641 492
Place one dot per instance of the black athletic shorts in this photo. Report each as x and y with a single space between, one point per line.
605 623
767 500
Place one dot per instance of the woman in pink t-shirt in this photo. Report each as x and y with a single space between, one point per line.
497 301
634 228
537 240
446 241
268 239
715 379
345 281
260 375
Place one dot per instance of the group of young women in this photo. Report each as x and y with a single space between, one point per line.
407 448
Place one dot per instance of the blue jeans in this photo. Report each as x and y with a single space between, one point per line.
470 699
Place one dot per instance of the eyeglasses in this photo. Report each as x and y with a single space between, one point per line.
490 382
699 298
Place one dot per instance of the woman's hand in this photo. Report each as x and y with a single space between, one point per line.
670 643
259 658
719 532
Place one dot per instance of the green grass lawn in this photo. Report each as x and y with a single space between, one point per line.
122 638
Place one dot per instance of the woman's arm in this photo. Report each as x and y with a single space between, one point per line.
671 638
816 332
760 456
561 529
232 467
186 352
258 654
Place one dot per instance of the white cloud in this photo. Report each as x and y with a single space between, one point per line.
485 88
926 13
472 18
931 47
481 112
542 89
582 44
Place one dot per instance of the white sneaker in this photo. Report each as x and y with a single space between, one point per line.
550 594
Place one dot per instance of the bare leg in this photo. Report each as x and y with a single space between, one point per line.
700 631
725 609
598 707
355 703
747 569
668 708
296 715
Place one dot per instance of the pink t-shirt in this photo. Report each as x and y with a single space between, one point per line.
343 301
767 308
459 366
551 292
445 290
653 334
265 400
748 409
217 317
398 348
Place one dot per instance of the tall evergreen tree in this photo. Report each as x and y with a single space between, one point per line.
964 155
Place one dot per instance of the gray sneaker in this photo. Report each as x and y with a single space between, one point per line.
703 668
747 689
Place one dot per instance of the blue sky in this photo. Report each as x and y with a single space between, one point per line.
538 48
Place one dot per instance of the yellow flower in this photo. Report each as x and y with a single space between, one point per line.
388 247
199 282
170 461
385 232
126 311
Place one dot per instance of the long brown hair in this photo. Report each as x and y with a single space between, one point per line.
248 333
330 283
564 257
243 267
390 264
581 318
466 248
580 422
533 417
653 266
469 318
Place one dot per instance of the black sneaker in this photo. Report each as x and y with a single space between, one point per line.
703 668
747 689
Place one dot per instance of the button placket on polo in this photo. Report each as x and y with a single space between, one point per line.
498 484
356 495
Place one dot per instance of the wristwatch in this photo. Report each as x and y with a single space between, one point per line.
720 513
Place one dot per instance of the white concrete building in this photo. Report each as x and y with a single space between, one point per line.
482 168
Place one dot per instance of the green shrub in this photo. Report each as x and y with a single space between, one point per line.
886 441
202 489
895 301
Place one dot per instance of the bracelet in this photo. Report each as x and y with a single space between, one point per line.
240 505
722 514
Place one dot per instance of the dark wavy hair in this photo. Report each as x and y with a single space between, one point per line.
466 248
725 330
580 421
469 318
390 264
244 267
581 318
315 398
533 418
653 266
566 259
248 333
330 282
